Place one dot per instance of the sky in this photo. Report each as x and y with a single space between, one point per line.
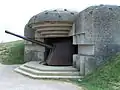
14 14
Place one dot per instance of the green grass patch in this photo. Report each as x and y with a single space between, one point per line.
106 77
12 52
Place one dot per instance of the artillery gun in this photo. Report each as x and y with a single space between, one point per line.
56 56
33 41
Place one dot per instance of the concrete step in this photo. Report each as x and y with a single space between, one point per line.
35 70
35 65
49 73
43 76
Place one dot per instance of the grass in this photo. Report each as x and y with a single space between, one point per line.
12 52
105 78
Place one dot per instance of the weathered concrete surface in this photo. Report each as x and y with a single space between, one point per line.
29 32
33 53
100 27
53 15
9 80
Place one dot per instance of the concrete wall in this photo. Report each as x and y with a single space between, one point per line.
32 51
97 34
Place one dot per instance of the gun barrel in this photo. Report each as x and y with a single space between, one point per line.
28 39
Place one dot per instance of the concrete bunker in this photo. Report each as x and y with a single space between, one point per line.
88 37
53 28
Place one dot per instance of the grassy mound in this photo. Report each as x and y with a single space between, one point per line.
12 52
106 77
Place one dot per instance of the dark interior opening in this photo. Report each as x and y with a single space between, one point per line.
64 51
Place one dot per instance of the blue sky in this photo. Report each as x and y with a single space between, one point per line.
14 14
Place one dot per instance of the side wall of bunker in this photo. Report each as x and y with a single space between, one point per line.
32 51
97 34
